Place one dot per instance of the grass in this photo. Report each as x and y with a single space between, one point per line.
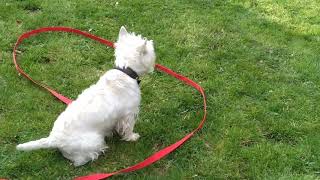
258 62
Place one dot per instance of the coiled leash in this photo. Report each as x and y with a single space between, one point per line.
153 158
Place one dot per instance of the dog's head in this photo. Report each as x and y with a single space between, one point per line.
134 51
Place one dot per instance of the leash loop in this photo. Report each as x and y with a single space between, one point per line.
151 159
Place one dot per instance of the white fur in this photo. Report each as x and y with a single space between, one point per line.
112 104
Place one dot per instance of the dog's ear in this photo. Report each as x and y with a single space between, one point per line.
123 32
143 47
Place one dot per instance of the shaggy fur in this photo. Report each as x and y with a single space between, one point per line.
112 104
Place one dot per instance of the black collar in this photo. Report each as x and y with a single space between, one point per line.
130 73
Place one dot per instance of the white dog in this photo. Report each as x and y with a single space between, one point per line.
112 104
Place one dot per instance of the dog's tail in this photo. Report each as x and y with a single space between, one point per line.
37 144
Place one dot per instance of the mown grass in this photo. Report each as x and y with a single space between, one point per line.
258 62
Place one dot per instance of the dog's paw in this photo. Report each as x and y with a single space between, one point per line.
131 137
103 150
80 162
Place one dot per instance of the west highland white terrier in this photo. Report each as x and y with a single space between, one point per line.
112 104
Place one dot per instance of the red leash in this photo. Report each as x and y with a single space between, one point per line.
153 158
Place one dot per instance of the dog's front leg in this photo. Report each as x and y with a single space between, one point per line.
125 127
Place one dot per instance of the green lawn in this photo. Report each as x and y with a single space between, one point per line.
258 62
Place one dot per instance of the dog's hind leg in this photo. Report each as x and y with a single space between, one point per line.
83 148
125 127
